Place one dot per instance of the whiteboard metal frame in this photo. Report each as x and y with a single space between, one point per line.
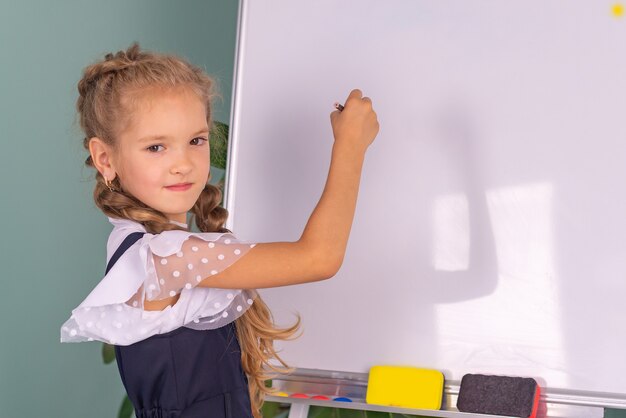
231 160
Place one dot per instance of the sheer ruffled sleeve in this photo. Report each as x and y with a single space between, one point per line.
181 260
157 267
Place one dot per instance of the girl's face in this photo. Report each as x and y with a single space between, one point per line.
165 144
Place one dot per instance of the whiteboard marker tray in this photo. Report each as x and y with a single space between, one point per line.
300 408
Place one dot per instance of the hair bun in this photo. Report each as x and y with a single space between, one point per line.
128 56
112 63
133 52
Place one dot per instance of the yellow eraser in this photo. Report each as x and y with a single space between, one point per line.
407 387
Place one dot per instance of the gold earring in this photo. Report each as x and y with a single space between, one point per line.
106 181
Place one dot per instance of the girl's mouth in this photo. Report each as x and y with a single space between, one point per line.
180 187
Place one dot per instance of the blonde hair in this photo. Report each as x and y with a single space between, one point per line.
106 91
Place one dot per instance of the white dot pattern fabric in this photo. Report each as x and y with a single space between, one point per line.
156 267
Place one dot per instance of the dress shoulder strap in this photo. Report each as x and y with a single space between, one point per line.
130 239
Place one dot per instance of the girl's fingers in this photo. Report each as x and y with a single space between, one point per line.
355 93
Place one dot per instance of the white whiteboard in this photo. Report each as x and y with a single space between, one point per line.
490 230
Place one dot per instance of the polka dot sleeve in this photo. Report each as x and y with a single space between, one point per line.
194 260
156 267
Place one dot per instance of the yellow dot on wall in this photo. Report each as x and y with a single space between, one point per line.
618 10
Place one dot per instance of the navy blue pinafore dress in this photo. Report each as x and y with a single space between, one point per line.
185 373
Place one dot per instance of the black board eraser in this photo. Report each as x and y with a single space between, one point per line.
499 395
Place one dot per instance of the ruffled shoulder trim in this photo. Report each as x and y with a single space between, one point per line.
158 266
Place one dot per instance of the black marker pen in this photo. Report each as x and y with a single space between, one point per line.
338 106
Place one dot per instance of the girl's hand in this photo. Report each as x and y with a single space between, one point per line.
357 125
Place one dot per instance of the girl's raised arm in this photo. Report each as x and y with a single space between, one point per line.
319 252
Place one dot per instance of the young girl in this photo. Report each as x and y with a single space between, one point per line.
191 334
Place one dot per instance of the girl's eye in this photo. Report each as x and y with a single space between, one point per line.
151 148
201 139
198 141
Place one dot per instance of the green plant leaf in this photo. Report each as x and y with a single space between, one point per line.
126 408
377 414
218 142
350 413
269 409
322 412
108 353
275 410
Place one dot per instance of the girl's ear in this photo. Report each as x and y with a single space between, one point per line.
102 157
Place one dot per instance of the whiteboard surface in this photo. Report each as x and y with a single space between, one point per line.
490 229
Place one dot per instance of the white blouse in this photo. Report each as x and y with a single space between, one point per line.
156 267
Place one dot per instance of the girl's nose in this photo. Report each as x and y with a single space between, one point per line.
182 164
